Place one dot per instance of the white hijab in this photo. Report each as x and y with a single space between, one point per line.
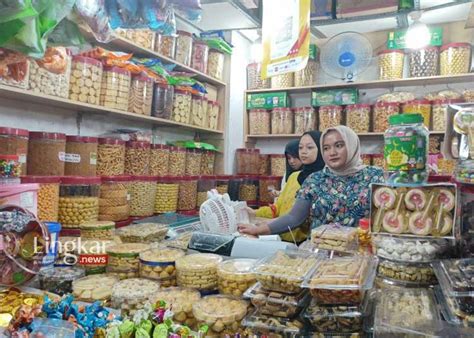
353 162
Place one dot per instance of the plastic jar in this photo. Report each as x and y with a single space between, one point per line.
366 159
235 276
208 160
424 62
184 48
177 161
182 104
137 157
110 157
213 114
46 152
181 300
264 164
233 188
187 197
205 184
165 45
167 190
455 58
200 56
282 121
329 116
259 122
278 164
379 161
59 279
222 184
114 203
14 141
141 37
86 80
267 184
248 191
48 196
305 119
98 230
141 95
358 117
391 64
247 161
307 76
286 80
254 79
132 295
215 65
10 169
81 156
142 196
406 149
193 161
198 271
163 101
115 90
198 115
159 160
159 264
422 107
381 114
78 200
439 112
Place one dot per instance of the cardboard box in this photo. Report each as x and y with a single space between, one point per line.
396 39
268 100
211 92
335 96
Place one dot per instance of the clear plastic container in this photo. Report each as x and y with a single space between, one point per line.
282 121
222 184
143 233
286 80
81 156
97 230
193 161
181 300
10 169
58 280
115 90
208 160
78 200
142 196
247 161
215 65
213 112
198 271
406 150
338 318
259 122
305 119
381 114
167 191
141 95
206 183
423 62
198 114
264 164
46 154
137 158
86 80
261 325
411 274
163 101
182 105
464 172
391 64
358 117
233 188
159 160
307 76
455 58
48 196
184 48
114 203
165 45
125 256
235 276
110 157
455 311
94 288
200 56
329 116
177 162
159 264
422 107
267 184
254 80
187 197
335 237
141 37
439 112
455 277
248 191
379 161
278 164
366 159
14 141
132 295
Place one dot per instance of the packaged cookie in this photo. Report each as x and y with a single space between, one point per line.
334 318
182 105
235 276
455 277
167 191
181 300
133 294
335 237
198 271
86 80
141 95
94 288
159 264
260 325
115 88
414 274
97 230
143 233
59 280
125 257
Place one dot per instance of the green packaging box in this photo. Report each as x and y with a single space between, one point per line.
335 96
268 100
396 39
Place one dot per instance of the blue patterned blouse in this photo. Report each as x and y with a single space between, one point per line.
339 199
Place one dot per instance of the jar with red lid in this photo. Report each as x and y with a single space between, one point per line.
233 188
46 153
182 105
114 202
81 156
165 45
198 115
193 161
159 159
329 116
208 160
366 159
110 157
142 195
278 164
259 122
378 161
187 193
423 62
248 191
439 112
86 79
215 65
282 121
222 184
177 161
268 184
264 164
213 111
391 64
184 48
141 95
200 56
254 79
422 107
78 200
280 81
455 58
305 119
115 90
358 117
14 141
10 169
206 183
163 101
137 157
382 111
167 191
48 196
247 161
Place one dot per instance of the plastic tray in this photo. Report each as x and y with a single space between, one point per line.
335 237
339 318
456 276
143 232
408 274
261 324
451 311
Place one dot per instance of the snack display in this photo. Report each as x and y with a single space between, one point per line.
358 117
254 80
259 122
468 95
268 184
137 158
14 141
207 162
381 114
46 154
165 45
205 184
193 161
307 75
159 160
200 56
48 196
248 190
133 294
142 37
335 237
247 161
215 66
455 277
97 230
198 113
181 301
305 119
423 62
411 273
86 80
125 257
277 164
261 325
422 107
334 318
81 156
141 95
439 112
235 276
159 264
391 64
286 80
456 310
115 89
187 196
94 288
59 280
182 105
282 121
167 191
184 48
198 271
177 161
410 250
455 58
329 116
264 165
213 110
142 190
233 189
110 157
143 233
114 198
16 72
163 98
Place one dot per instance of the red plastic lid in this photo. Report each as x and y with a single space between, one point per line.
389 51
9 157
424 48
182 91
124 223
271 178
454 45
259 111
446 101
223 177
302 108
197 97
113 141
331 107
439 178
115 69
70 232
40 179
137 144
184 33
358 105
85 59
387 104
81 139
14 131
417 102
143 78
208 177
146 178
247 150
215 103
80 180
189 178
177 149
163 85
160 146
377 155
121 178
168 179
277 155
364 223
249 177
282 109
36 135
192 212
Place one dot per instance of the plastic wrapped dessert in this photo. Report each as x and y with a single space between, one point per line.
198 271
234 276
125 257
335 237
334 318
143 233
409 274
181 300
133 294
94 287
260 325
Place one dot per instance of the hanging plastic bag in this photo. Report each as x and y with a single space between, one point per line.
93 13
67 34
124 13
189 9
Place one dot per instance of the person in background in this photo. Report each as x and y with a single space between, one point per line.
293 162
309 151
337 194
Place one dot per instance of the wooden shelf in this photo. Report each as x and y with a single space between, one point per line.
285 136
53 101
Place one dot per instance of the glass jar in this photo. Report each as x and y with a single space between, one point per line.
254 79
215 65
264 164
305 119
142 191
423 62
193 161
286 80
222 184
382 112
200 56
115 90
391 64
207 162
259 122
163 101
81 156
439 112
165 45
455 58
78 200
14 141
86 80
177 162
48 196
110 157
167 191
46 152
137 157
213 114
422 107
198 115
141 95
114 202
182 104
358 117
248 191
187 197
159 160
206 183
267 184
278 164
247 161
234 187
184 48
282 121
307 76
329 116
406 149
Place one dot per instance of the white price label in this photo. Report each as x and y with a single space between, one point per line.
93 159
27 200
72 158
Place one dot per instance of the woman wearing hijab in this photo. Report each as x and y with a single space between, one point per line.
293 162
310 154
337 194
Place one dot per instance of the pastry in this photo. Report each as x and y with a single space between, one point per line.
394 225
418 226
415 199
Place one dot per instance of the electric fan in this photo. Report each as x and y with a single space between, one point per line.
346 55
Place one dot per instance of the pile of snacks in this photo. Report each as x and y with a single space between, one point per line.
181 300
59 280
159 264
334 318
143 233
198 271
132 294
408 273
124 259
261 325
235 276
94 287
335 237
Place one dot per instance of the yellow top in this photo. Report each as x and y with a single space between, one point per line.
283 205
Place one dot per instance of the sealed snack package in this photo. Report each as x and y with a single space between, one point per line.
95 16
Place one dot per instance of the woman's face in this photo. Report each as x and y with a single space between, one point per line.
308 150
294 162
334 150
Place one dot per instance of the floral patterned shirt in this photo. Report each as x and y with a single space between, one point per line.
339 199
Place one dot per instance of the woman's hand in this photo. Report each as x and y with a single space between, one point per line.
253 230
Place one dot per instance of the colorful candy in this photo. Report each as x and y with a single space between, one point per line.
393 223
10 167
420 225
415 199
